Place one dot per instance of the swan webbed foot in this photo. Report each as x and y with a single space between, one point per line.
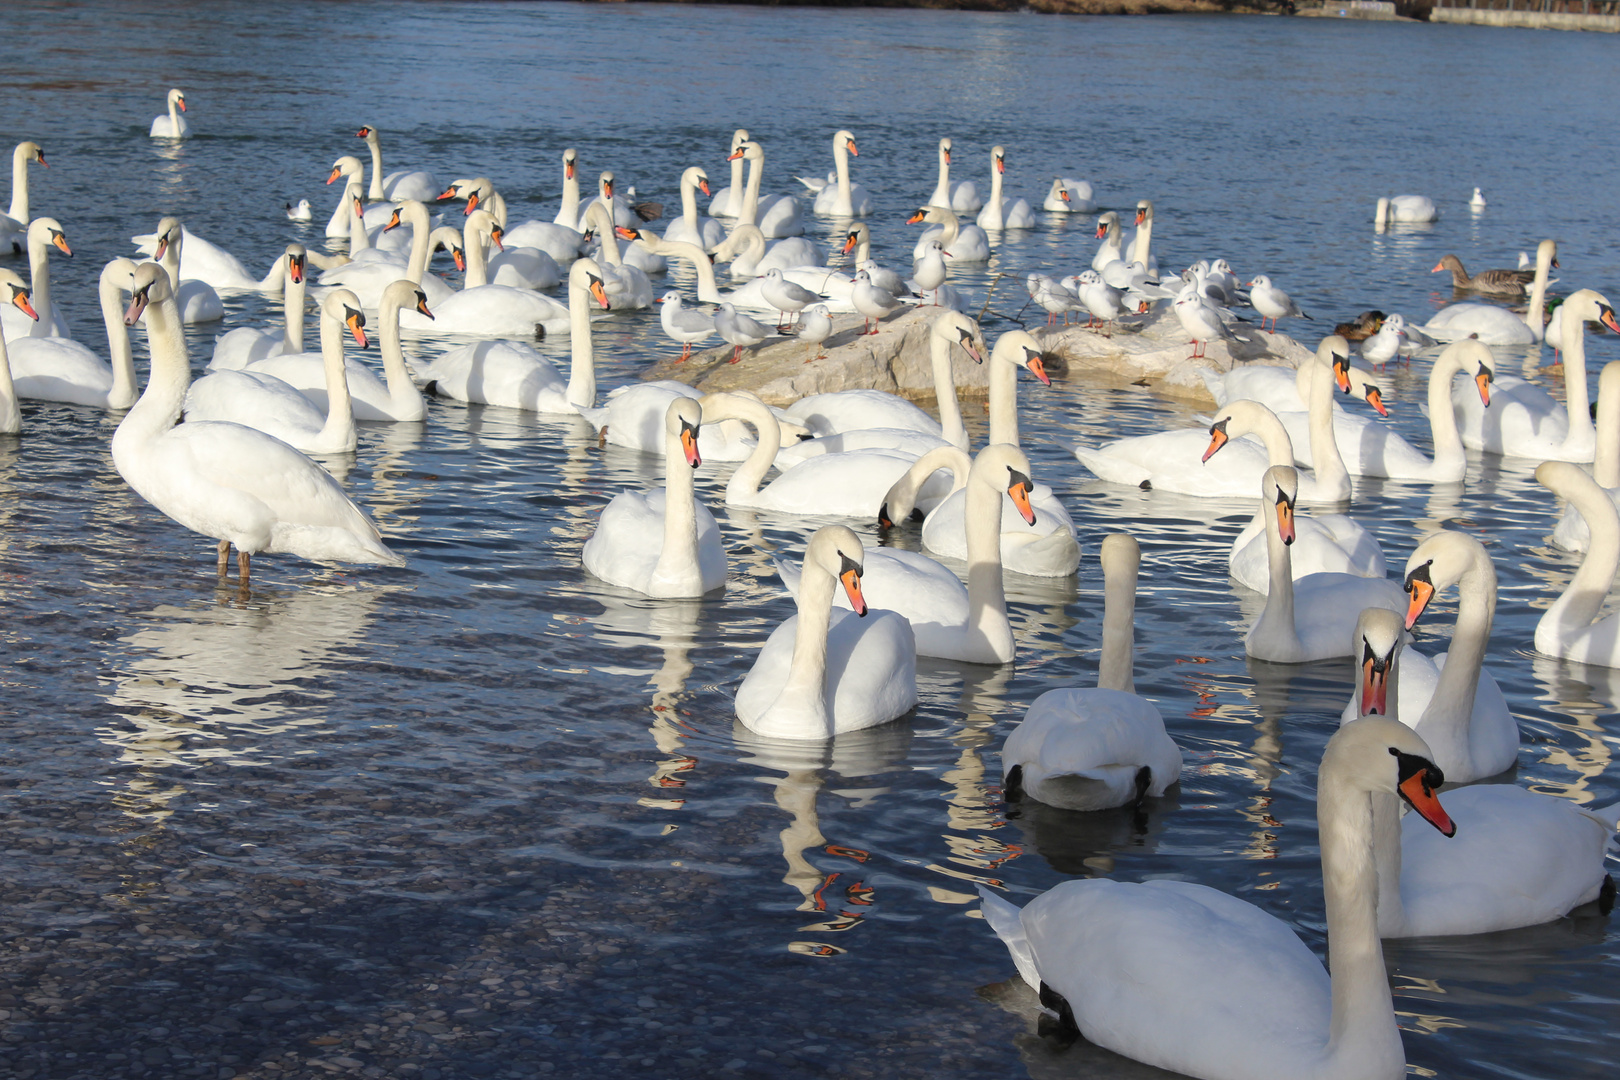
1057 1021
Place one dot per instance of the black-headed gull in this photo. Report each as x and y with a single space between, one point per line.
1201 320
1271 302
815 326
873 303
738 330
785 296
683 324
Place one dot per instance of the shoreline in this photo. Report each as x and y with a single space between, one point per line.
1040 7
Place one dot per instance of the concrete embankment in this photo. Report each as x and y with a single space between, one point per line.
1530 20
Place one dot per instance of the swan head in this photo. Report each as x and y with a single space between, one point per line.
933 215
696 177
177 98
857 235
149 286
297 258
1471 354
1019 347
836 550
399 295
1107 223
682 421
30 151
1279 489
1119 554
343 306
367 133
48 231
14 291
739 137
1144 210
845 140
748 151
450 240
1589 305
1441 560
1006 467
586 275
945 151
347 165
1378 755
953 327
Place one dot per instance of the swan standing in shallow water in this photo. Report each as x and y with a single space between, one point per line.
824 672
172 126
1093 749
1193 980
225 481
689 560
1524 858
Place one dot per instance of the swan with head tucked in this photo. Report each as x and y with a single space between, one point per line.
824 672
1000 212
257 400
173 125
14 223
690 559
514 375
1567 629
1524 858
1190 979
837 196
395 187
1526 421
961 196
1495 325
228 482
961 243
61 369
43 234
1450 700
1312 618
689 228
1096 748
950 621
1571 532
776 215
393 397
1408 209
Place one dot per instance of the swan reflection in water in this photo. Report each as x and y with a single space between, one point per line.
828 877
215 682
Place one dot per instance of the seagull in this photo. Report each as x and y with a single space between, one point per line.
1055 298
928 272
1101 300
1271 302
815 326
883 277
683 324
786 296
1200 320
1385 345
738 330
301 212
872 302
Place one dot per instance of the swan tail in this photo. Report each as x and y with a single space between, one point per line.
1007 920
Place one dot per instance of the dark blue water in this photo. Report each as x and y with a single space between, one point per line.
485 816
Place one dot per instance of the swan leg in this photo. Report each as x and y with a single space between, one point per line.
244 567
1057 1022
224 556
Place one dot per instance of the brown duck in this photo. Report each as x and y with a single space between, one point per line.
1499 282
1362 327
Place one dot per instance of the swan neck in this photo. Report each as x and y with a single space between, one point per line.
1450 460
1535 312
689 209
678 560
1003 403
292 314
744 483
1576 399
987 598
1606 462
581 358
168 374
950 412
750 206
398 376
376 192
942 189
1114 669
39 280
1572 613
1332 478
19 185
359 238
841 166
806 682
10 413
339 426
568 214
421 243
1447 720
1277 617
901 499
473 240
1142 245
123 392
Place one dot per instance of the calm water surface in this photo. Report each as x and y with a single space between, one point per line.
485 816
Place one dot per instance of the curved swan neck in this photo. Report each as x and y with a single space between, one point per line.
950 412
168 374
996 209
1450 459
745 481
375 194
1277 617
1332 479
689 209
1446 722
841 167
339 426
123 393
901 499
401 389
581 358
1571 614
1121 558
1606 464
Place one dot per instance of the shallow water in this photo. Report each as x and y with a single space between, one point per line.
485 816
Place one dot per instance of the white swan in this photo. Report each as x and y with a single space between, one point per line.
1450 700
1571 532
568 210
1045 547
689 560
962 243
950 621
14 292
627 286
1198 982
172 126
393 397
513 375
1523 858
825 672
395 187
776 215
689 228
488 310
850 410
368 278
203 261
1497 325
257 400
1567 629
1142 242
1069 196
242 346
727 202
61 369
14 223
1404 208
999 212
225 481
43 234
563 243
751 257
837 196
1093 749
196 301
519 267
1312 618
961 196
1524 420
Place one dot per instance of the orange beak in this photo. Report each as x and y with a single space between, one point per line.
1421 591
39 156
689 443
1217 439
22 304
851 577
461 259
735 154
607 189
1606 316
393 221
362 133
472 204
1341 371
884 521
1483 380
849 243
1285 518
1437 268
626 232
137 308
182 103
1416 790
947 157
1037 368
1001 166
449 193
1019 491
421 305
337 171
971 349
703 186
1141 216
495 234
1374 684
852 151
295 268
568 170
162 249
1063 193
1375 398
356 323
599 292
914 218
61 244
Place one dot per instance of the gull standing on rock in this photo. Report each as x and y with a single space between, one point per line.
1202 321
785 296
1272 303
873 303
738 330
683 324
815 326
928 273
